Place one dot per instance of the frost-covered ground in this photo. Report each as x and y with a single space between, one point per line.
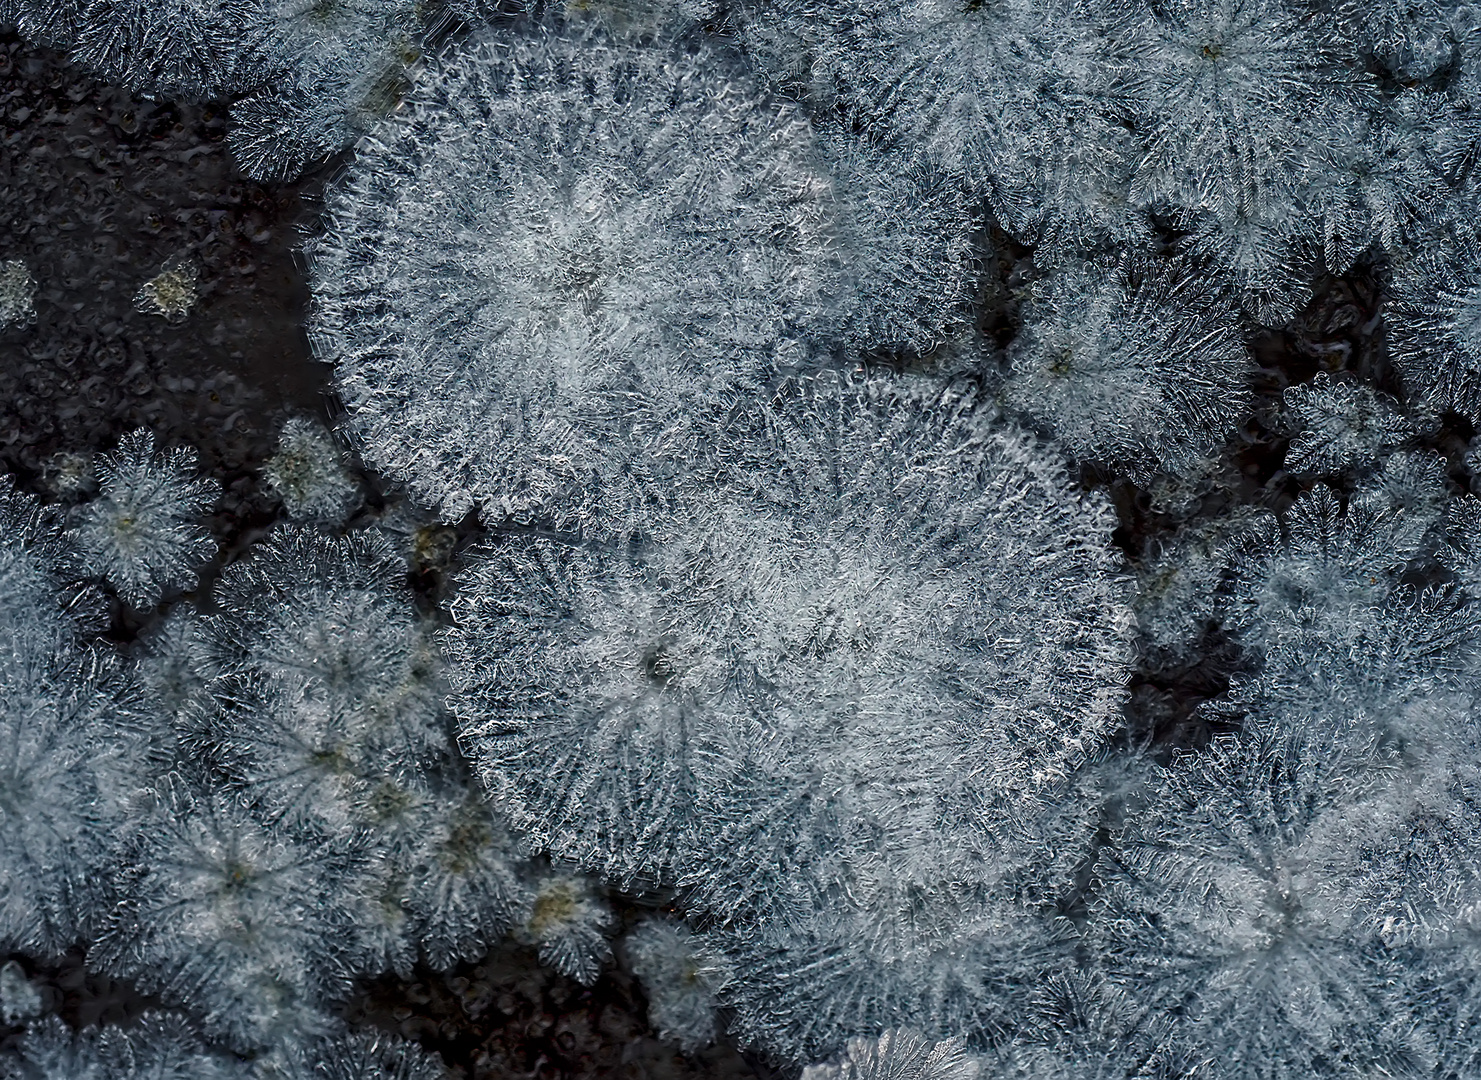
912 544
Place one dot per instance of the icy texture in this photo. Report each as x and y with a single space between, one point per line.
247 924
1013 108
17 292
1240 94
19 1000
329 719
68 717
142 533
898 1055
1226 904
1435 322
546 336
159 1046
1326 568
1421 891
907 255
678 980
171 293
327 677
183 50
570 924
1344 426
370 1056
1082 1027
1179 595
1130 364
308 473
1386 178
829 627
330 69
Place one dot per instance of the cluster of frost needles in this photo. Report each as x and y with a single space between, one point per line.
785 357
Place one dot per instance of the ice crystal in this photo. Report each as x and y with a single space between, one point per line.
1179 594
1265 257
365 1055
1240 95
171 293
907 254
1082 1026
1435 323
543 335
1420 890
160 1046
1324 568
308 473
1130 364
17 292
1343 426
1386 178
69 716
176 49
326 675
984 106
569 922
937 957
19 999
333 68
249 925
1226 904
1349 655
141 533
898 1055
464 890
829 626
678 980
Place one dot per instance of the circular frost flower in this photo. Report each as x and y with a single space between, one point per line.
883 616
563 258
142 534
1130 365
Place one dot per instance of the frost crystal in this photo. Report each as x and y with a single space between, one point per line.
142 534
1344 426
171 293
326 675
1435 323
68 720
19 1000
159 1046
1240 94
898 1055
1226 904
1130 365
544 335
308 473
190 50
17 292
678 980
832 625
248 925
569 922
332 68
363 1055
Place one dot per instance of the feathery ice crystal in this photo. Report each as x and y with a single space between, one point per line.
1132 365
832 620
678 980
1226 905
898 1055
308 473
17 294
142 533
543 336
